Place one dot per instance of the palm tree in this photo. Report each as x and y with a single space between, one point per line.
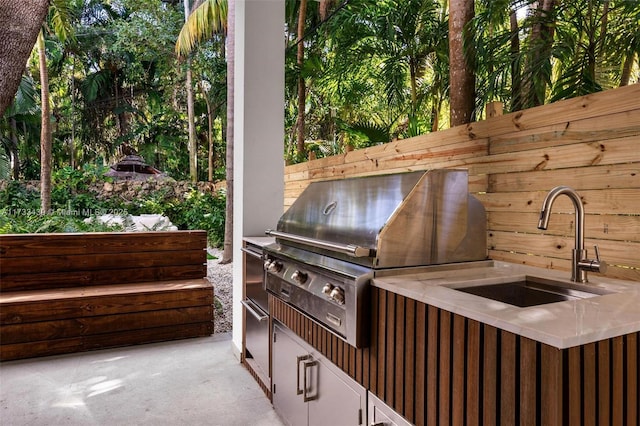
385 67
227 254
538 67
302 90
210 17
462 76
45 130
61 24
193 147
593 45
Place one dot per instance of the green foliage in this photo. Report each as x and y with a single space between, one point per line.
200 210
71 190
374 71
5 164
19 222
17 197
74 199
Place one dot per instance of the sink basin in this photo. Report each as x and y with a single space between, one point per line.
533 291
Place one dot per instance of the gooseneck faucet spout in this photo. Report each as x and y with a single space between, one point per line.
580 264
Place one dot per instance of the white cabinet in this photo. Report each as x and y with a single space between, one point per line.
380 414
308 389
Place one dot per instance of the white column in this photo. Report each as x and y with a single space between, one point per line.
259 130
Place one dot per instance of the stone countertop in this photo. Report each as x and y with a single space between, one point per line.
259 241
561 324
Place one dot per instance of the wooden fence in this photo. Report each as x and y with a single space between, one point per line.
590 143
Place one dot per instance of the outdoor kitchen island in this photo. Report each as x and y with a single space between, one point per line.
381 286
437 354
573 362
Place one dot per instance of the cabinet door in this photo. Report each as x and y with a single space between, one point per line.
287 357
380 414
338 399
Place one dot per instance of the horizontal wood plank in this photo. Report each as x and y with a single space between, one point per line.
613 151
102 341
618 125
594 106
625 253
615 176
67 279
597 226
613 271
107 261
18 245
84 326
25 307
612 201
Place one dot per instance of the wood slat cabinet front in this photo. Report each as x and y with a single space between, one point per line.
432 366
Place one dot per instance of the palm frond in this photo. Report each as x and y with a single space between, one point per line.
25 101
368 131
208 18
5 165
93 84
61 18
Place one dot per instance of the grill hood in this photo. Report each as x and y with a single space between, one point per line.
388 221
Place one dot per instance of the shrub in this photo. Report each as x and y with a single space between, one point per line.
17 197
73 200
200 210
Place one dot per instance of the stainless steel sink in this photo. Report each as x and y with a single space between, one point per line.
533 291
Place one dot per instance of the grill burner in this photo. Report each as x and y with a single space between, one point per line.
340 234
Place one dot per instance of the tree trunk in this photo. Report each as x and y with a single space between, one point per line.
462 77
302 89
434 117
516 78
210 118
413 84
20 22
193 144
626 69
45 131
227 254
72 143
596 46
604 25
15 158
541 40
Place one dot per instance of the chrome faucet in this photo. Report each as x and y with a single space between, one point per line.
580 264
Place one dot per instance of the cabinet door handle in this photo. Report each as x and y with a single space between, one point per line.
299 360
305 396
254 310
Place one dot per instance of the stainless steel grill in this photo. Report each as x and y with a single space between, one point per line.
339 234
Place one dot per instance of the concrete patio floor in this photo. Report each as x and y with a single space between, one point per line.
184 382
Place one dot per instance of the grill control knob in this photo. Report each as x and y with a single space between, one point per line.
275 267
327 289
299 277
337 294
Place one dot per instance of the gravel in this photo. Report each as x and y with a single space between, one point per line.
222 278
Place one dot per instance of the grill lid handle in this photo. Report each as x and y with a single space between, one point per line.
348 249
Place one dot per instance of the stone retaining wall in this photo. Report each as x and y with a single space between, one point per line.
130 190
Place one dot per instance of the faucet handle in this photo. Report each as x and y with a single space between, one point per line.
595 247
596 265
